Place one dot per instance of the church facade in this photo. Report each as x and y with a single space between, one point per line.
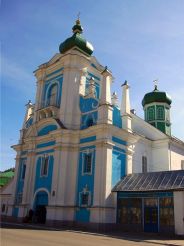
77 147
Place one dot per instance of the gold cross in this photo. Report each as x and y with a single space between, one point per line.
78 15
155 83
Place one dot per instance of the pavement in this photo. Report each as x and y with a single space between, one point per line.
14 234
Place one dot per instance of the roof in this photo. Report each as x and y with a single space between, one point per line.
76 40
156 96
153 181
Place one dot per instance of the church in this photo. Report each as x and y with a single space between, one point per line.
85 160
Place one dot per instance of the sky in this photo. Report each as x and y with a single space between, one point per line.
139 41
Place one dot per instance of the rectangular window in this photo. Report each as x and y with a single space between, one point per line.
182 164
84 199
144 164
130 211
23 171
44 166
19 198
166 211
87 163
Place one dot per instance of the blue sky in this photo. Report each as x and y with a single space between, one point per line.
139 40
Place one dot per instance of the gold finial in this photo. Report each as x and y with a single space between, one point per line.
155 83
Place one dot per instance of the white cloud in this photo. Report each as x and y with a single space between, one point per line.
16 76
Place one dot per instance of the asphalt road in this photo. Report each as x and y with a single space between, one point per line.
35 237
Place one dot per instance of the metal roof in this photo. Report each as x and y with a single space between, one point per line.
153 181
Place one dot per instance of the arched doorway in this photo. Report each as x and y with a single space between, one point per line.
40 203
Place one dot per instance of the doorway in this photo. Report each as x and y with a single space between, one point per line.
150 215
40 207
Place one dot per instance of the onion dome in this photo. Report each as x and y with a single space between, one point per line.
76 40
156 96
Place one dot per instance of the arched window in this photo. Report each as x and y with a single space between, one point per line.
160 113
151 114
52 97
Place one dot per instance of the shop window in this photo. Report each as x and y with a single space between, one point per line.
44 166
129 211
87 163
166 211
144 164
160 113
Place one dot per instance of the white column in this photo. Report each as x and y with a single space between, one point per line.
179 212
125 108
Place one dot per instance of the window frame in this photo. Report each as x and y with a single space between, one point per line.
150 111
43 158
84 163
160 110
23 170
88 204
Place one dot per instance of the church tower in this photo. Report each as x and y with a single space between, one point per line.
156 106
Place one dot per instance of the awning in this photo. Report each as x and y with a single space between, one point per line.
152 181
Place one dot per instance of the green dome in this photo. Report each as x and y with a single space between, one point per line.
156 96
76 40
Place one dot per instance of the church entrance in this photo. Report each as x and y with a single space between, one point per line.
41 202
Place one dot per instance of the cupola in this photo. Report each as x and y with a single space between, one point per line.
156 106
76 40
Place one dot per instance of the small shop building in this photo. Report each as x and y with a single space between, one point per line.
151 202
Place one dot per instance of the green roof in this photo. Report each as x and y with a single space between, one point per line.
76 40
156 96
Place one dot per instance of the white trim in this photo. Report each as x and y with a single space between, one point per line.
37 191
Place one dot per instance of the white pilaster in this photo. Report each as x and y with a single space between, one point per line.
69 108
179 212
103 202
29 178
83 81
17 163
